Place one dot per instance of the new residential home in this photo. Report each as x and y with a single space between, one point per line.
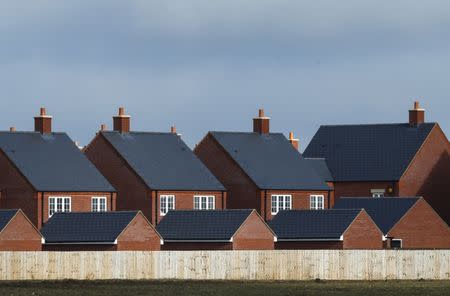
406 222
17 233
263 170
215 230
400 159
327 229
100 231
44 172
153 172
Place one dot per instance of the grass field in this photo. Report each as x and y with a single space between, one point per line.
217 288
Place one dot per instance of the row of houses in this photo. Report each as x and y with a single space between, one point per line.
157 175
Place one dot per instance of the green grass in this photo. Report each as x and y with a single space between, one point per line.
217 288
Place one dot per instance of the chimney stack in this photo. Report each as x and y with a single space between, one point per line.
12 129
121 121
416 115
294 142
173 129
261 123
43 122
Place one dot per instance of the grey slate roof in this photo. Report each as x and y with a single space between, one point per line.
215 225
386 211
373 152
5 217
80 227
270 161
52 162
163 161
312 224
321 168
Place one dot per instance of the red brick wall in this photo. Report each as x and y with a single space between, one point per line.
422 228
362 189
308 245
140 235
300 200
20 235
196 246
242 192
184 200
132 192
254 234
363 233
429 174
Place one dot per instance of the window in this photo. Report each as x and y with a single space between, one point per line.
316 202
377 192
396 244
204 202
167 203
58 204
98 204
281 203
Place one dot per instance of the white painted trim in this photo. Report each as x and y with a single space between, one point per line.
207 202
161 242
42 240
341 238
82 243
397 239
316 196
275 239
56 197
278 204
196 241
115 241
160 203
309 240
98 203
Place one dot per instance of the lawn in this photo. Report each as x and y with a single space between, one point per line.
217 288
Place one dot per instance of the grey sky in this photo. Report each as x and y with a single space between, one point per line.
209 65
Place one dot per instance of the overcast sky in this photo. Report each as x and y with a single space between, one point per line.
209 65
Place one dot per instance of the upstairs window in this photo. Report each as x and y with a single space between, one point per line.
58 204
204 202
316 202
98 204
166 203
377 192
280 202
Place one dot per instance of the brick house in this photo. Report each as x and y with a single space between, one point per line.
326 229
153 172
402 159
263 170
215 230
17 233
44 172
409 223
100 231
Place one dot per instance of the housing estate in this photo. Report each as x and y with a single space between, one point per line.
406 222
400 159
17 233
263 170
44 172
153 172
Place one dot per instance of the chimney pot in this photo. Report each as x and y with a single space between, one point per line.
173 129
261 124
293 141
261 112
103 127
416 105
12 129
42 111
43 122
121 111
416 115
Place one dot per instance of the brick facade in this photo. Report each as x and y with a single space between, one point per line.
363 233
20 235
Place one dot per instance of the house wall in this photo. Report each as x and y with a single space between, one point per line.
363 233
254 234
196 246
16 192
184 200
132 192
20 235
428 173
140 235
422 228
300 200
308 245
362 189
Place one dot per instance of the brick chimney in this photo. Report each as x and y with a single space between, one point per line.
294 142
261 123
173 129
43 122
12 129
121 121
416 115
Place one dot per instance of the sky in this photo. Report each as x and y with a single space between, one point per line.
210 65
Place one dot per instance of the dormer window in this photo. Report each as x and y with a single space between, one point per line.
377 192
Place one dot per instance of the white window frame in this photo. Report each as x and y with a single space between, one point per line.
98 198
204 202
316 202
55 199
378 193
166 198
280 202
397 239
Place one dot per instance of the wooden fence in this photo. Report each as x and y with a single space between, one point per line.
228 265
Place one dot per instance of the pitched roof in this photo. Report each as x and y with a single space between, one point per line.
270 161
163 161
386 211
321 168
373 152
5 217
219 225
89 227
312 224
52 162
